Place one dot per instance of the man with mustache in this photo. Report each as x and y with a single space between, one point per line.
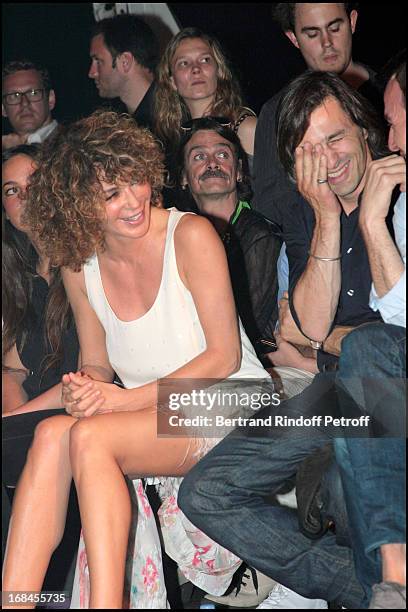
215 169
124 54
27 101
327 137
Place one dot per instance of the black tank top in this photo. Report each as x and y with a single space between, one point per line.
35 347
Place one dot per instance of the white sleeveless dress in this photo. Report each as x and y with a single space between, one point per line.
165 338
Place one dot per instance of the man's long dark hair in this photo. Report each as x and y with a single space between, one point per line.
19 260
306 93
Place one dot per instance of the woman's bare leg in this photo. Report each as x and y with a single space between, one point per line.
103 448
39 508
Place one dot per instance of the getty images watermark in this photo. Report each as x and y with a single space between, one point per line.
208 408
223 402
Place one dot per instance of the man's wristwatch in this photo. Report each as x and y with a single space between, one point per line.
315 344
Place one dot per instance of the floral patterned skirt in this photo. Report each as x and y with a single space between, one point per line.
205 563
202 561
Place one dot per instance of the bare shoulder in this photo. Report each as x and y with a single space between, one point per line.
192 230
73 281
248 125
198 247
246 133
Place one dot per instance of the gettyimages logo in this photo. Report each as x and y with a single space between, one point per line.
212 408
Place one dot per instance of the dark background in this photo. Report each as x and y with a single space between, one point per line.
57 35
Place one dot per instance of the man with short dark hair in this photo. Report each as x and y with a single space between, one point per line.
124 53
323 34
27 101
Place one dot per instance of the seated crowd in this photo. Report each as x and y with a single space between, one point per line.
182 249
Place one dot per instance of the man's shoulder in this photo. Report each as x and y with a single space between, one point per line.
144 113
42 133
271 105
373 89
253 225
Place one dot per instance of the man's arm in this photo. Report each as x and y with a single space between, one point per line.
261 311
14 397
315 298
386 263
13 376
290 333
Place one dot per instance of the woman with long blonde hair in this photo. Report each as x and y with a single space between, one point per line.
194 80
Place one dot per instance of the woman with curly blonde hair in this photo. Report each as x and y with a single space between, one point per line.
152 299
195 80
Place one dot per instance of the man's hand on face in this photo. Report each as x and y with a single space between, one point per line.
12 140
312 181
383 175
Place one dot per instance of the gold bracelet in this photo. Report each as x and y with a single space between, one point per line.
325 258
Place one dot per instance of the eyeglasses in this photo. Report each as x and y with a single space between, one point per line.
16 97
187 126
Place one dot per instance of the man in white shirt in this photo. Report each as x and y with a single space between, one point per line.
373 373
27 102
388 260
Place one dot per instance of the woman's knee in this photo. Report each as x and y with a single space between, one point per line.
81 439
89 438
49 435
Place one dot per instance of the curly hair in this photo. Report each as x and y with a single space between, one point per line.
19 260
66 205
170 108
284 13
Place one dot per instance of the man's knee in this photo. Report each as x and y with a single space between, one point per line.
191 494
186 495
202 492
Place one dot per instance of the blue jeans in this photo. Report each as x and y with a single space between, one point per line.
372 373
225 495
